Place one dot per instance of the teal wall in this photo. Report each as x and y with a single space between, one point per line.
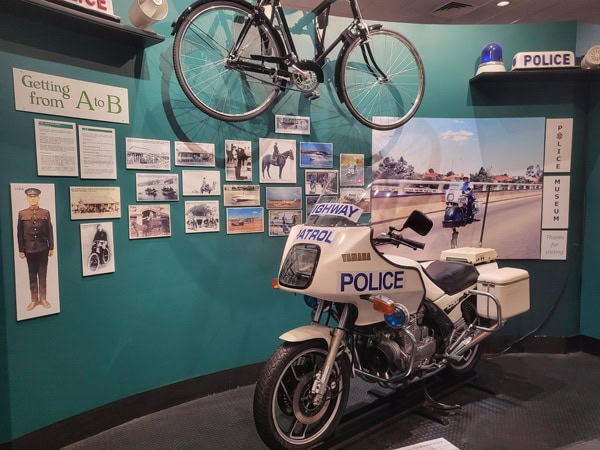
590 287
190 305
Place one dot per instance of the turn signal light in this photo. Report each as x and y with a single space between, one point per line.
275 283
383 305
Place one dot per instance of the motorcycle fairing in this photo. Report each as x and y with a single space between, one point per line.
345 279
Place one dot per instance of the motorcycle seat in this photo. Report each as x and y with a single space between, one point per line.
451 276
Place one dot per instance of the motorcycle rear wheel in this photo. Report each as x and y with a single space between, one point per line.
284 414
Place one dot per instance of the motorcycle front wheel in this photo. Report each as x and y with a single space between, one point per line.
285 415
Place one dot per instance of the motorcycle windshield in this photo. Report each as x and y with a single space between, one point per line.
336 207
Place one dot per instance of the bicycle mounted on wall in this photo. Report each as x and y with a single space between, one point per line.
232 59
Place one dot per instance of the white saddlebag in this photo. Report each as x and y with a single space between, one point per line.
510 286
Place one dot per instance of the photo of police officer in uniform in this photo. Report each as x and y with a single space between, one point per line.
36 268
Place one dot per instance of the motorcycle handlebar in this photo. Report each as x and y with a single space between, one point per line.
396 239
413 244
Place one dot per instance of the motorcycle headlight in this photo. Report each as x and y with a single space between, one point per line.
299 266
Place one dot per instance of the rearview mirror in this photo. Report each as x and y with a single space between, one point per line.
418 222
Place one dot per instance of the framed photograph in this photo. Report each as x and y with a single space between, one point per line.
358 197
287 124
282 221
238 160
201 182
102 202
197 154
317 182
277 160
149 221
352 169
151 187
97 248
35 245
284 197
317 155
201 216
245 220
241 195
311 201
148 154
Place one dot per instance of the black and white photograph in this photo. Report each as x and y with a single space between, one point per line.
352 169
35 257
241 195
357 196
284 197
316 182
97 248
151 187
201 216
201 182
245 220
238 160
281 221
148 154
198 154
292 124
277 160
95 202
151 220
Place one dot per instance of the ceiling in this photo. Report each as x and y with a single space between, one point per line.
465 11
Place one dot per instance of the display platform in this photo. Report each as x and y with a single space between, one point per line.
516 400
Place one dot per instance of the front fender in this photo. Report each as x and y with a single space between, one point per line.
186 12
308 332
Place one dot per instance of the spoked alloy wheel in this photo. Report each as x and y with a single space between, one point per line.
211 76
382 80
285 413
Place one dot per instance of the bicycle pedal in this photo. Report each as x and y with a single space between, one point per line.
312 95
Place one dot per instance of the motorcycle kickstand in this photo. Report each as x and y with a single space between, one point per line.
430 407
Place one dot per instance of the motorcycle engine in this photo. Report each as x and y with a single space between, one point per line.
387 352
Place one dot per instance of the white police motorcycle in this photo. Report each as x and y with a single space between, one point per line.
387 319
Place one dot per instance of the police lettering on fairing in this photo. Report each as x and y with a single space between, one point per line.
315 234
371 281
337 209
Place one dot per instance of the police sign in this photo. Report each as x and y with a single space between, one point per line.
543 60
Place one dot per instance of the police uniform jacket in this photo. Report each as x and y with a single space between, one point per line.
34 231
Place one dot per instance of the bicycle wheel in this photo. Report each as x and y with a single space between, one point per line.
381 80
226 84
93 262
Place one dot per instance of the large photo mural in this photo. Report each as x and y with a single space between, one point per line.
479 180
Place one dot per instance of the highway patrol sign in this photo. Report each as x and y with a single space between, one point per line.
543 60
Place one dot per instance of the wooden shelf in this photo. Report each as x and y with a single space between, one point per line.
81 21
534 75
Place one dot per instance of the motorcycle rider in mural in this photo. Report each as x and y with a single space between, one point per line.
467 190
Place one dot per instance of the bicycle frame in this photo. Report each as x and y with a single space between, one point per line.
278 19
